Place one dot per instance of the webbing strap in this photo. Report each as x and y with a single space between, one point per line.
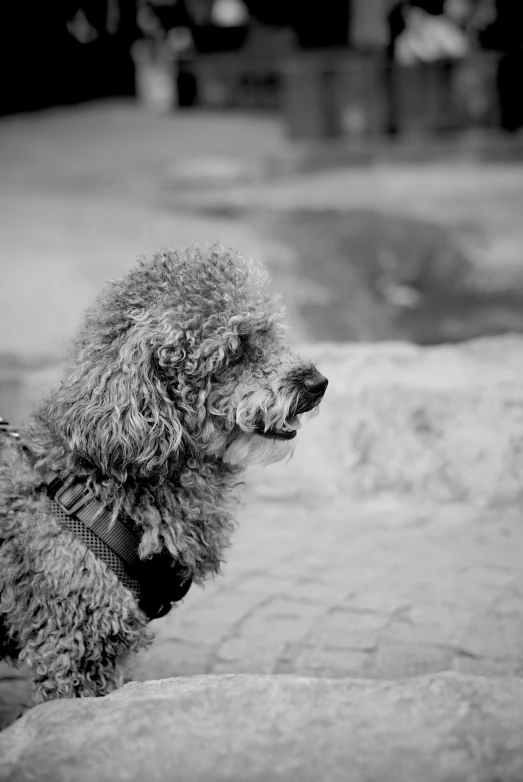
97 545
98 518
157 583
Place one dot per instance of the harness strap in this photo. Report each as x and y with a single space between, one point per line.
156 583
97 545
77 499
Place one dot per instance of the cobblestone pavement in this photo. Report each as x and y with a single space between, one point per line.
381 589
378 588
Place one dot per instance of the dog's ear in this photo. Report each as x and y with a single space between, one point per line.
115 413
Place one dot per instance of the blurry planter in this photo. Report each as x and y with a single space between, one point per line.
445 96
421 98
329 95
476 90
211 38
237 80
186 83
309 102
155 78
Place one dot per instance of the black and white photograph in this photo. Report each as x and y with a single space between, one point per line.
261 391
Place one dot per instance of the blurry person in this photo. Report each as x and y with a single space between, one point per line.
421 32
430 34
501 30
163 55
229 13
397 17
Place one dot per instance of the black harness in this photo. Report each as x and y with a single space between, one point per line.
156 583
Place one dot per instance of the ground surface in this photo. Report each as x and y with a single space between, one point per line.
311 587
435 728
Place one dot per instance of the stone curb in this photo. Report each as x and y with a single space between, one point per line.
443 728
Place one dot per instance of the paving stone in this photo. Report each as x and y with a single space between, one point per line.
322 660
264 637
188 659
351 629
492 636
377 598
485 666
393 661
432 624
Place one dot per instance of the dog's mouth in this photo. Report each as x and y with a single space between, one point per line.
289 430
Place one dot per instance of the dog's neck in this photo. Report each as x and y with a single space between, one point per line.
186 510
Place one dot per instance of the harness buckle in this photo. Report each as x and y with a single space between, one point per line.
73 496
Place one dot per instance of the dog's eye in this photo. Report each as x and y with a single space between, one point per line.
244 350
237 354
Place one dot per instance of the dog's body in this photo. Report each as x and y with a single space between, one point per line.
178 380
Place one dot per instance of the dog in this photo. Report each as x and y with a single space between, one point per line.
121 491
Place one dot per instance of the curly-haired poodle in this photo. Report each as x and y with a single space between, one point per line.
117 496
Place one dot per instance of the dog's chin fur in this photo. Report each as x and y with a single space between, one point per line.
252 449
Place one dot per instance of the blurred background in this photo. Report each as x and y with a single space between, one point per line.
369 151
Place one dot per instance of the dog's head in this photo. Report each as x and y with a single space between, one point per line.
258 392
184 358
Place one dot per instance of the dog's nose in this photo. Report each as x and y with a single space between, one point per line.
316 383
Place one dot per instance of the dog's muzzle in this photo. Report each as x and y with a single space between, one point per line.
314 387
311 390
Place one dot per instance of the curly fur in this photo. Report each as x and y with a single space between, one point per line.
177 366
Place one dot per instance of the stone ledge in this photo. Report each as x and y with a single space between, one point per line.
439 728
442 423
